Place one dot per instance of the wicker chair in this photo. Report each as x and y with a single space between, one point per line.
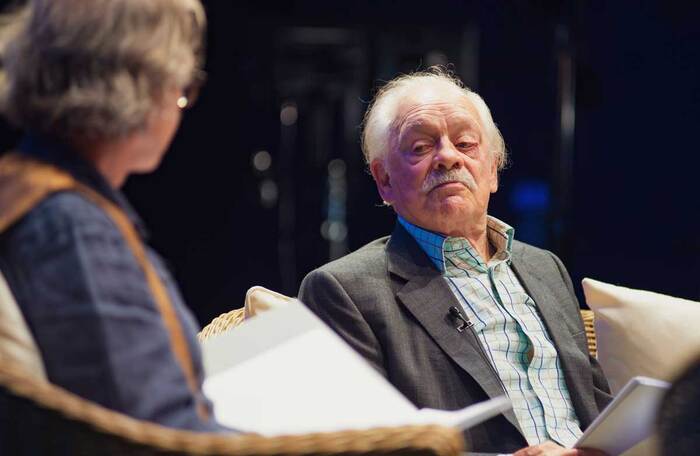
38 418
222 323
589 324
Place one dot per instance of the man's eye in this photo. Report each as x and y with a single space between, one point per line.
464 145
421 148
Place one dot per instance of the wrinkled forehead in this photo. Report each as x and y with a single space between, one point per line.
436 97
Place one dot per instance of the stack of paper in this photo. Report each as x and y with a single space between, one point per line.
286 372
628 419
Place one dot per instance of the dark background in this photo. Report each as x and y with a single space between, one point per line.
599 104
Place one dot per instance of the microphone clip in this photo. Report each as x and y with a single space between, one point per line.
461 323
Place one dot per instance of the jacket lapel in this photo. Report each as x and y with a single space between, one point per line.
574 363
428 297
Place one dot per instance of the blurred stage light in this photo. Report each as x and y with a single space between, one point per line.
262 160
268 193
288 114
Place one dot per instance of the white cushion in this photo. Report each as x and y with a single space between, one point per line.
16 342
642 333
260 299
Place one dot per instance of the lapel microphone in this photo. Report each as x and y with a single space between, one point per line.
461 322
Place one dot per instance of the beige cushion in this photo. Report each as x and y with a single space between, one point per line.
642 333
260 299
16 342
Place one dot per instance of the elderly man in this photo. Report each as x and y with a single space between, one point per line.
450 308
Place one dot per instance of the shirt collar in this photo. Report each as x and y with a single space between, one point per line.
455 255
64 157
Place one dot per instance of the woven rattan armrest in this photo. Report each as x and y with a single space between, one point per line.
54 421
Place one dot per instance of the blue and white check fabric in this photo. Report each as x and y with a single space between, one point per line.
510 330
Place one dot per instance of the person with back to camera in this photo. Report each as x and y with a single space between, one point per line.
99 87
450 308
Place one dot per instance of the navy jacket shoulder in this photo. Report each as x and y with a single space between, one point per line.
88 306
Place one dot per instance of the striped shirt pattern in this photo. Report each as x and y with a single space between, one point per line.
507 325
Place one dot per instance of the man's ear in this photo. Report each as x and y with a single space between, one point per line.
382 179
493 178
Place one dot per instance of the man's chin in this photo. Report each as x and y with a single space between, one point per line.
450 207
452 198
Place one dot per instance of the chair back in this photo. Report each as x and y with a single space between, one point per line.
589 325
257 300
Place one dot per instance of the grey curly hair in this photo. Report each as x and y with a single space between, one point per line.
378 126
96 69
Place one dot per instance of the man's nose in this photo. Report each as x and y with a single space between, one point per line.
447 156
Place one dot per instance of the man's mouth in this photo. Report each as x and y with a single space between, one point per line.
443 184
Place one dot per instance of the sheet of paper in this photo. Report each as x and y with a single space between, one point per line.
286 372
627 420
466 417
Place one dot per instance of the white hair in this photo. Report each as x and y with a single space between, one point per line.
380 122
97 68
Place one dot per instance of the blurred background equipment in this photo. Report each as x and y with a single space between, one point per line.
598 103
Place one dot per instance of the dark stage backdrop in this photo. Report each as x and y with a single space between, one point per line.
598 102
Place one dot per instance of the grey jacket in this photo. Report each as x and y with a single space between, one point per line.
390 303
